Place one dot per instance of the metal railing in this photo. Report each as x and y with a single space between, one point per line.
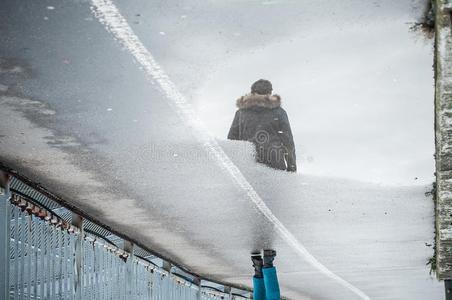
51 256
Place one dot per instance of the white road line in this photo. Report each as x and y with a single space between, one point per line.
108 14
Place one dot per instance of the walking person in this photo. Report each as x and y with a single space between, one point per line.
265 280
261 120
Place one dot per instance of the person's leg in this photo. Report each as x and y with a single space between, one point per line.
271 283
258 278
258 288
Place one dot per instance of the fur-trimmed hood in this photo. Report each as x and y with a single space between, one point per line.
256 100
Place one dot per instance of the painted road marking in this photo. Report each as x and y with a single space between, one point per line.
108 14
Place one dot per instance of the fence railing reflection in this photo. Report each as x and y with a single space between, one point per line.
50 258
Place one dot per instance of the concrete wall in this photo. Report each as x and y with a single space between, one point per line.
443 119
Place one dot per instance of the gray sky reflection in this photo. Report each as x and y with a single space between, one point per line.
359 96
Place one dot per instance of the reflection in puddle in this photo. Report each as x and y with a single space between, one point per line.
357 88
261 120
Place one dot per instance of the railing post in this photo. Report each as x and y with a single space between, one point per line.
448 287
197 281
5 219
228 290
128 247
77 221
167 266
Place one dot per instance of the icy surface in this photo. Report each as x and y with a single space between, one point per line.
79 116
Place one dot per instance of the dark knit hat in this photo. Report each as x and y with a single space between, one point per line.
262 87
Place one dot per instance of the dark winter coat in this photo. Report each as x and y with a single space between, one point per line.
261 119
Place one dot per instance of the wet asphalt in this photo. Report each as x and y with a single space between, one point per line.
79 116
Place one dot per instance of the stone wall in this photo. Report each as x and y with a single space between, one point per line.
443 129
